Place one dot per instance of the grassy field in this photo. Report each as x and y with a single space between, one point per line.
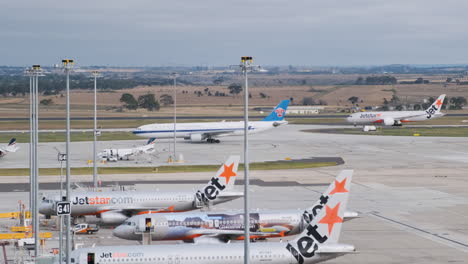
170 169
75 137
403 131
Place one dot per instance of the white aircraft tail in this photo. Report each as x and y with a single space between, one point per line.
436 106
341 184
223 181
323 231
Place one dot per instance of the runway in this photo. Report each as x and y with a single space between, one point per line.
410 191
358 151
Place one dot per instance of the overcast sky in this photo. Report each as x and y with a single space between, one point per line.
218 32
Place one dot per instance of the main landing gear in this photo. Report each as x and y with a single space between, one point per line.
212 140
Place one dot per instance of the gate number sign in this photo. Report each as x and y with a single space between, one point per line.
63 208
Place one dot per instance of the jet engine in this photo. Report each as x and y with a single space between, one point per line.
112 218
388 121
196 137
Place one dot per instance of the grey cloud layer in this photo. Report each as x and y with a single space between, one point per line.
217 32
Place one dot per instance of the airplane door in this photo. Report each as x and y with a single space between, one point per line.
170 259
148 224
177 259
90 258
216 223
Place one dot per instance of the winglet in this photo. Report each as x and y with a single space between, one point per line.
279 112
151 141
323 230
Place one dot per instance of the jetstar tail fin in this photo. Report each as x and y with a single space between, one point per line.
279 112
223 181
11 146
342 183
324 229
437 105
227 173
12 142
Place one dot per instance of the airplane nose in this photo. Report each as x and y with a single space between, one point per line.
119 231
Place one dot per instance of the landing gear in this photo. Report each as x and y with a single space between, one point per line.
212 140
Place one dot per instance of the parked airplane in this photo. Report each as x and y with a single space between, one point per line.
318 242
114 207
210 131
225 226
11 147
397 118
121 154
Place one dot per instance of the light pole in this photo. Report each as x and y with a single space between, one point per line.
68 67
29 72
36 72
175 113
95 74
246 65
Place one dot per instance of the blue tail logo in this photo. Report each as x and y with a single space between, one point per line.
279 112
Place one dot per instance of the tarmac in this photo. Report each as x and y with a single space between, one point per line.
410 191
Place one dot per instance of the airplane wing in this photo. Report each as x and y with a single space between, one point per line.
217 133
225 235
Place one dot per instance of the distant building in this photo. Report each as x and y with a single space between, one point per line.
305 110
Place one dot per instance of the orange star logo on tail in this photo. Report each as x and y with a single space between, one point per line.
331 218
228 173
439 103
339 187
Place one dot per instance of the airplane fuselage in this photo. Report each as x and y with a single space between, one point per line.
188 130
111 204
379 117
180 226
233 253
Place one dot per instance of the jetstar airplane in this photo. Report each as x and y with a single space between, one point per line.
318 242
210 131
397 118
223 227
11 147
121 154
114 207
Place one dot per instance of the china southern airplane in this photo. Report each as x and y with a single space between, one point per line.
11 147
318 242
397 118
210 131
223 227
114 207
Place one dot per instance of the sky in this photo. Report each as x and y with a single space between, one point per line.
218 32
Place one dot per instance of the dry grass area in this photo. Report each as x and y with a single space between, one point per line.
189 104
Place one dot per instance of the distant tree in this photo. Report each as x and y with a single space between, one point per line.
395 100
206 90
353 99
308 101
129 101
291 99
263 95
417 107
449 80
359 81
218 80
235 88
399 107
419 80
47 102
166 99
385 101
148 102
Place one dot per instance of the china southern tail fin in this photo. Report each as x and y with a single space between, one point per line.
323 232
278 112
436 106
341 184
223 181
